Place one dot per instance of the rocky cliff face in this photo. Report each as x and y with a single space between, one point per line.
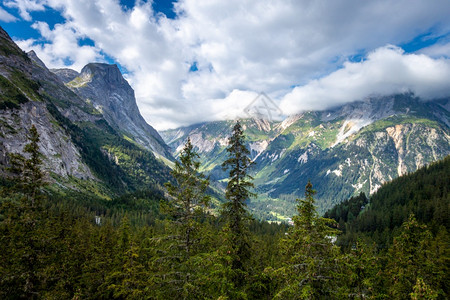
66 75
61 156
17 70
76 140
104 86
344 151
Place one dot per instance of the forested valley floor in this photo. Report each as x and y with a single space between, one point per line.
56 244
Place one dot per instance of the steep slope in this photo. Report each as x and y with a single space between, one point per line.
343 151
425 193
80 149
22 105
210 140
359 147
104 86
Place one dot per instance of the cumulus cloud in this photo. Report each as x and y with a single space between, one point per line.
184 112
238 47
64 48
386 70
25 7
6 16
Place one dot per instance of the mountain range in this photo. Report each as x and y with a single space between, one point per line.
343 151
94 139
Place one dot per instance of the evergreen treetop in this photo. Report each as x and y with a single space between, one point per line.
235 209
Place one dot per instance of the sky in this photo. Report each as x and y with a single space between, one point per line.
191 61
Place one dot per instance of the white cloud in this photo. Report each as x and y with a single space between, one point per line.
63 48
386 70
6 16
183 112
237 45
25 6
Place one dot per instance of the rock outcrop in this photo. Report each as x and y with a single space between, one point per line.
104 86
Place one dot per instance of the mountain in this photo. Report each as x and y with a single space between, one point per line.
81 150
424 193
343 151
104 86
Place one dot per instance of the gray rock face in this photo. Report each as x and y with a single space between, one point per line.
74 138
104 86
60 154
32 55
66 75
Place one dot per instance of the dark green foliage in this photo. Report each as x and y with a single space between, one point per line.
184 242
26 172
23 214
188 199
424 193
10 96
235 209
348 210
97 141
310 265
412 259
56 250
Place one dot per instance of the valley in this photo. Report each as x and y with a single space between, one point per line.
345 151
348 202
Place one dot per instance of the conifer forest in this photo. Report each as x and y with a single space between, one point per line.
173 242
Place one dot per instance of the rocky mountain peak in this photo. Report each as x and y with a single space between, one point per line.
104 73
33 56
65 74
104 86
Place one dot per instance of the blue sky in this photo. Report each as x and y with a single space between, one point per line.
201 60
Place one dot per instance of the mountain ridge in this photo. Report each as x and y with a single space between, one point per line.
81 151
104 86
346 150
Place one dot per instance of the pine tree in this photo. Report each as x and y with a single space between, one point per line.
188 198
310 263
184 237
22 227
413 262
358 276
235 209
128 279
27 173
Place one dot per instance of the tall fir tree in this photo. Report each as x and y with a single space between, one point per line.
310 263
235 209
413 263
188 197
184 238
23 241
26 172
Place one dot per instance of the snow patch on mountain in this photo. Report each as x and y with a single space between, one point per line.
350 127
338 173
289 121
359 186
303 158
256 148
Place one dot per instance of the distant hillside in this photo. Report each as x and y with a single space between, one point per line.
344 151
425 193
